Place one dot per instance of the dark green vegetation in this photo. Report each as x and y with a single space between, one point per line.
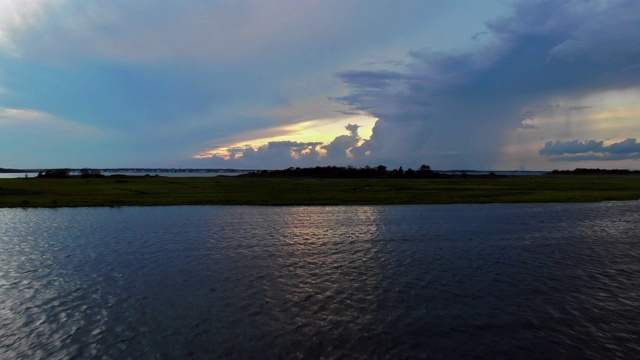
349 172
152 191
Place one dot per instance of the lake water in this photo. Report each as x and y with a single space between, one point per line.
140 173
453 281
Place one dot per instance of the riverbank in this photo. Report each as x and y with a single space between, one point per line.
157 191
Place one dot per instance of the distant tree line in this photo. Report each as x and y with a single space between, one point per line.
4 171
380 171
581 171
66 173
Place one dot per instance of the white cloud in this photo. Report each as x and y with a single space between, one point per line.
231 31
17 16
220 31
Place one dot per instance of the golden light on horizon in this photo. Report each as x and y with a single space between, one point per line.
610 117
321 131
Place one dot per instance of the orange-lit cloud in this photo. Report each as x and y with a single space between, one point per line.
320 131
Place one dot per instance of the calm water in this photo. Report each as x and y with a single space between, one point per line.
166 174
454 281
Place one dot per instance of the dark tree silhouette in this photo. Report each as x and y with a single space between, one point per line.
90 173
379 171
54 173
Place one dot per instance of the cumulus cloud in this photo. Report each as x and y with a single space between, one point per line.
576 150
453 108
279 154
274 154
527 124
340 148
281 151
571 147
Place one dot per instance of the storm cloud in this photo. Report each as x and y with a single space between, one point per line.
445 108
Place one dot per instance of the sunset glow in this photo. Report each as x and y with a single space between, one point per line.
320 131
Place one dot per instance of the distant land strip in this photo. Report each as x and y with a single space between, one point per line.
274 188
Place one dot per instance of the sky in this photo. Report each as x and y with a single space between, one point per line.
270 84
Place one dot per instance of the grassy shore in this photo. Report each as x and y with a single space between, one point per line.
154 191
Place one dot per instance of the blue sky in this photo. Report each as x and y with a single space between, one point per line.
248 84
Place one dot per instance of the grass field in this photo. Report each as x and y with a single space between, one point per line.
154 191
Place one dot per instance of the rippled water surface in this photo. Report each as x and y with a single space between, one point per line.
453 281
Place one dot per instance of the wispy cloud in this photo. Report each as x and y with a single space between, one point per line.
25 132
37 121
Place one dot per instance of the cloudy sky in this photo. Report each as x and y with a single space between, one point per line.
251 84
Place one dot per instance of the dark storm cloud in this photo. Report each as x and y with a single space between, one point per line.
448 108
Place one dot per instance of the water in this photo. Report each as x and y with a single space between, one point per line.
453 281
16 175
136 173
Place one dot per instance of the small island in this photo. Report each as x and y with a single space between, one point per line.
316 186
